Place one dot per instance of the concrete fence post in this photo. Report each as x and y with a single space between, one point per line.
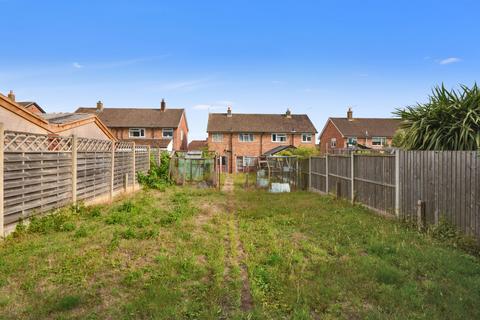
352 168
2 159
74 168
397 183
112 171
326 173
148 157
134 177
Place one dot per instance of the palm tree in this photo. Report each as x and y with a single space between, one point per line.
450 120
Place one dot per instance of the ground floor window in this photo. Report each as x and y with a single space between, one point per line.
245 163
306 137
379 141
351 142
333 142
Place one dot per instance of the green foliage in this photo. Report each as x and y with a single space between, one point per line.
301 152
448 233
158 175
450 120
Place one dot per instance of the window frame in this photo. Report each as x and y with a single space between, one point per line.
382 141
306 134
243 134
167 130
349 144
140 131
215 137
276 135
333 142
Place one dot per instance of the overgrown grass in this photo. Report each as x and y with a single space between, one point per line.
175 255
315 257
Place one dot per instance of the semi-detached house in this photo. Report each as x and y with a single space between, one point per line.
241 138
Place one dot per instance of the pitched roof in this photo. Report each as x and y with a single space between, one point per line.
28 104
243 122
363 127
65 117
197 145
137 117
278 149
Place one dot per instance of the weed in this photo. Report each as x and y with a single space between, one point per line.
81 232
67 303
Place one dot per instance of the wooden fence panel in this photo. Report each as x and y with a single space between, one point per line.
142 161
35 182
340 175
448 183
374 183
93 174
318 176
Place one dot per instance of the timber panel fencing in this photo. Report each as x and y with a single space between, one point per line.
39 172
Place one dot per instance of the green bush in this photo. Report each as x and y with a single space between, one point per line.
158 175
301 152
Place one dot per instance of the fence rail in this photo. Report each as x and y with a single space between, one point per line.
43 172
447 184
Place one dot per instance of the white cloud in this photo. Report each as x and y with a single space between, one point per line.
213 106
77 65
450 60
202 107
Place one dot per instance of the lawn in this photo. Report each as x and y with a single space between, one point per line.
188 253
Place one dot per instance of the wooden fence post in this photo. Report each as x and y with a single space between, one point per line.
326 173
397 183
352 167
134 176
2 159
309 173
148 159
421 217
74 169
112 171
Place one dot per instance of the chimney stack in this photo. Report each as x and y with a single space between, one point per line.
99 106
163 105
11 96
350 114
229 111
288 114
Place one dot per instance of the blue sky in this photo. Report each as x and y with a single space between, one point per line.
316 57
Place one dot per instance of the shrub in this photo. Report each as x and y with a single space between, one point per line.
158 175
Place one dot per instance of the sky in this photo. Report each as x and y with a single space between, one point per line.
314 57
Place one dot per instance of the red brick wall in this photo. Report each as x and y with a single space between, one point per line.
328 133
262 143
178 143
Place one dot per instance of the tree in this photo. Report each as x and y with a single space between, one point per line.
450 120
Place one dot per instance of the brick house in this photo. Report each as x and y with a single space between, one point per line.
164 128
241 138
366 133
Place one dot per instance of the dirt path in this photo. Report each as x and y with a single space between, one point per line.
237 245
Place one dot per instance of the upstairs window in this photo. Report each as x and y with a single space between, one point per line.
217 137
333 142
136 133
167 133
245 137
279 137
379 141
307 137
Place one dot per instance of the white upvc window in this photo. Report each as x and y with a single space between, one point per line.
279 137
245 137
351 142
167 133
379 141
249 161
217 137
307 137
136 132
333 142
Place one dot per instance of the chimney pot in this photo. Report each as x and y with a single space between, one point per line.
350 114
11 96
99 106
288 114
229 111
163 105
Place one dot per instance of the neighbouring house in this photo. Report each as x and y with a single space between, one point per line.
241 138
364 133
198 145
157 127
31 118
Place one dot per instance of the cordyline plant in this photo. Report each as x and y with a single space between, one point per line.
449 121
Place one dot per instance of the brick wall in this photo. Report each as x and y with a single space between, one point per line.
329 132
261 143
